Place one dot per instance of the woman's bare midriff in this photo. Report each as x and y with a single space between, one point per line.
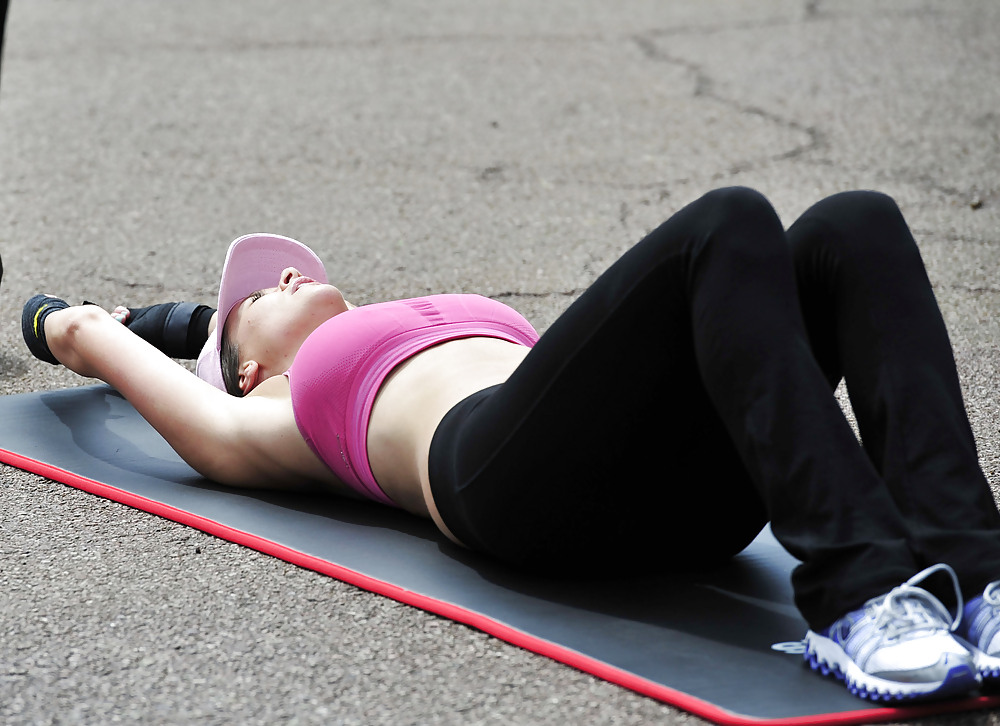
411 403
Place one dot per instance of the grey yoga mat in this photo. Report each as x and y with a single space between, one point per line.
719 644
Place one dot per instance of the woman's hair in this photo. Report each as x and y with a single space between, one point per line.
229 361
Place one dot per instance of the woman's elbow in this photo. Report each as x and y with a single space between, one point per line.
219 466
230 467
68 332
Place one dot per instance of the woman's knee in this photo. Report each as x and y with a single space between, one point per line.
856 223
720 222
739 222
736 204
864 207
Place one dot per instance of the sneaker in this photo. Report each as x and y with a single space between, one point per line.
898 647
981 627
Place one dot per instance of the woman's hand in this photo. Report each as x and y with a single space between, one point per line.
178 329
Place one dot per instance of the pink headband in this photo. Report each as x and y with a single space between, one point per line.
254 262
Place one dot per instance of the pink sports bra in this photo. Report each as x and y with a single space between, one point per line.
340 367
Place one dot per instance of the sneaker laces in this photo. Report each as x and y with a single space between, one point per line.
907 609
991 595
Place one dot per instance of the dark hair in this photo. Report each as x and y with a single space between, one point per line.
229 361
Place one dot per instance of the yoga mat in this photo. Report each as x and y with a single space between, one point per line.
701 642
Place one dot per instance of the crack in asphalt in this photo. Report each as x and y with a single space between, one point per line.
553 293
132 284
972 289
705 87
937 236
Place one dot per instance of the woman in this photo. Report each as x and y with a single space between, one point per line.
678 405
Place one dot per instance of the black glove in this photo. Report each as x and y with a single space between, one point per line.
178 329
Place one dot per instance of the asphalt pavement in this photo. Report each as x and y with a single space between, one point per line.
508 148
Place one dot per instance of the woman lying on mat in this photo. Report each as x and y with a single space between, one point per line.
679 404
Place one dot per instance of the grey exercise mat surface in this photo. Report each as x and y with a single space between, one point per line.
702 642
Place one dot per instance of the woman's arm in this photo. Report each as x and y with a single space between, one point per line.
250 442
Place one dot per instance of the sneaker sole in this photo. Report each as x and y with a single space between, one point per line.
988 667
829 659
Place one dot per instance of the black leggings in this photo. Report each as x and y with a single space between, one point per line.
685 399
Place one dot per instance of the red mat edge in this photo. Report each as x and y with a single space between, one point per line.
481 622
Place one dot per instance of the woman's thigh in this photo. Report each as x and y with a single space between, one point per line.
603 448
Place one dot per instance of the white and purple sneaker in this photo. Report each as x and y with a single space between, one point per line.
899 647
981 627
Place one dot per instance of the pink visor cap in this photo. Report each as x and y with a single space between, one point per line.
254 262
